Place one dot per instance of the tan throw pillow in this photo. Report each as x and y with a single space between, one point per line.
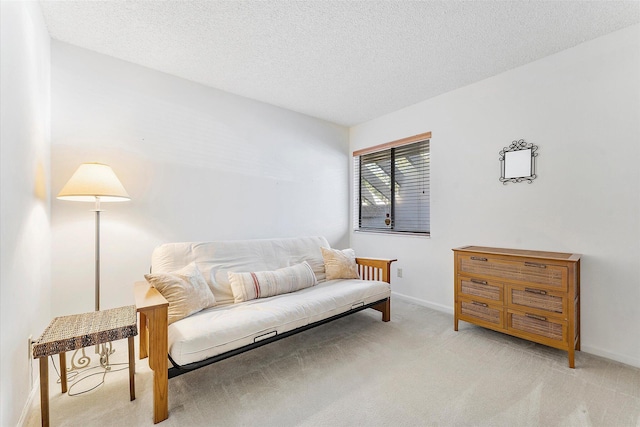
185 289
340 264
263 284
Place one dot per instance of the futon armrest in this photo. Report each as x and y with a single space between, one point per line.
148 297
151 305
375 269
153 308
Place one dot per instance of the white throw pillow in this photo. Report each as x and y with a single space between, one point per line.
340 264
185 289
263 284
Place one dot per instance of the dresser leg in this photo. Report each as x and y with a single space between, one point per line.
455 323
572 361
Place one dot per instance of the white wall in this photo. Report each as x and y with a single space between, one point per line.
25 271
582 108
200 164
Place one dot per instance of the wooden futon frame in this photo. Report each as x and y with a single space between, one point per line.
153 307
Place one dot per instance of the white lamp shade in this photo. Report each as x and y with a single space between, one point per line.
94 181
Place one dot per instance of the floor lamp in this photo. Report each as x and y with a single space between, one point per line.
95 182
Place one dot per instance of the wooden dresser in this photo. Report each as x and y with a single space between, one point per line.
528 294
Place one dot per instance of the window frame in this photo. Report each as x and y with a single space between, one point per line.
357 182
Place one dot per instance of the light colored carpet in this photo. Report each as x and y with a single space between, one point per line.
359 371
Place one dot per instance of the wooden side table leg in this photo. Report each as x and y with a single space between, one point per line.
44 390
63 371
132 370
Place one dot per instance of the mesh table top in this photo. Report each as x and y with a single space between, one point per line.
68 333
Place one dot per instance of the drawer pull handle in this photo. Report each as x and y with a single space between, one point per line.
480 282
534 316
478 258
533 264
535 291
481 304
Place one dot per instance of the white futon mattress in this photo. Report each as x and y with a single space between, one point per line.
220 329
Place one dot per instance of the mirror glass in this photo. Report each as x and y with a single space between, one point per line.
517 164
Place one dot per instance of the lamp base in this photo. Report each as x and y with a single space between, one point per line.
106 350
102 350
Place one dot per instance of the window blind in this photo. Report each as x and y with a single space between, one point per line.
392 188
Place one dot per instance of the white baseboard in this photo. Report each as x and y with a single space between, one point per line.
423 303
31 401
627 360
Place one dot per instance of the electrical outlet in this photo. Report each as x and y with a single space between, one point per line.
399 272
30 359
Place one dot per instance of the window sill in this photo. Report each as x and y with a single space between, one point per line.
394 233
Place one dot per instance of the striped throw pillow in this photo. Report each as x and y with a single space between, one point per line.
263 284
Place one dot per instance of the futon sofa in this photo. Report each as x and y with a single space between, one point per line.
207 301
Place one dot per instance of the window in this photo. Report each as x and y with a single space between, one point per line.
391 187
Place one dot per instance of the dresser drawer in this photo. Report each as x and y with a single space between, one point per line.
480 312
481 289
547 302
535 326
530 271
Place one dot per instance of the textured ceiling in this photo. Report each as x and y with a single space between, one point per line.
343 61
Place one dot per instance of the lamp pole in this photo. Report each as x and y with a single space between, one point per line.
97 255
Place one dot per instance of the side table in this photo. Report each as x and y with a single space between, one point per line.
68 333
